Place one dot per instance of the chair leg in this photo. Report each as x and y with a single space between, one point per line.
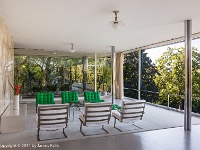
118 129
69 111
38 135
81 127
64 132
121 130
73 113
114 122
93 134
104 129
136 126
115 125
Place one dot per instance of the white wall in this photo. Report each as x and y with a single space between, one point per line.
6 67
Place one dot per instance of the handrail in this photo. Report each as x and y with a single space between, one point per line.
182 96
169 101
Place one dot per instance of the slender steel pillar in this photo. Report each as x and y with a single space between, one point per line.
85 64
113 73
139 73
95 72
188 75
85 71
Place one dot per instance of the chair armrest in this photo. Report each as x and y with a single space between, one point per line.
119 111
81 111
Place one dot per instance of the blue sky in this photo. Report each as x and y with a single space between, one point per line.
155 53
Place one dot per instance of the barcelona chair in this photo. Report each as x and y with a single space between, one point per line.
95 114
52 118
131 111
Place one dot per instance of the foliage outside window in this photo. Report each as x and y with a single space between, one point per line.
37 74
163 82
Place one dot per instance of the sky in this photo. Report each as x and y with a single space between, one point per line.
155 53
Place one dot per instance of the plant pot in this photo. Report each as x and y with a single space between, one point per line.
16 102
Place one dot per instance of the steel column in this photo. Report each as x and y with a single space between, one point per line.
139 73
85 71
188 75
85 64
95 72
113 73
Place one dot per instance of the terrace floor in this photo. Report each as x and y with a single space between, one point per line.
163 139
164 130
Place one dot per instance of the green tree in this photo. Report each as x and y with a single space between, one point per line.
170 77
42 66
130 72
149 88
20 69
48 73
103 73
131 76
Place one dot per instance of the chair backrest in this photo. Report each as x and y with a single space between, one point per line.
45 98
52 116
132 110
91 96
97 112
69 97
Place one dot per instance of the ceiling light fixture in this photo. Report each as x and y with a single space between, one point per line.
116 24
53 53
72 50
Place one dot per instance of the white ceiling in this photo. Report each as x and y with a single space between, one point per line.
54 24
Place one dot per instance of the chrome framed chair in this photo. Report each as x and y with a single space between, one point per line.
95 114
131 111
52 117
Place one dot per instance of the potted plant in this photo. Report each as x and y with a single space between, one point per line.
16 96
16 89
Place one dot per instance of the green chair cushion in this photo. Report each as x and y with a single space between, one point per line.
92 97
45 98
69 97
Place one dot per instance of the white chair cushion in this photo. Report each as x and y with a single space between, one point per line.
92 116
131 110
48 109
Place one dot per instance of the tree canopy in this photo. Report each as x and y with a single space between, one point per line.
170 78
49 73
131 76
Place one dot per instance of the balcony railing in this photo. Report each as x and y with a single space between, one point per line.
164 99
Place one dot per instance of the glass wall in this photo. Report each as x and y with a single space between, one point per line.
103 74
36 74
163 75
131 75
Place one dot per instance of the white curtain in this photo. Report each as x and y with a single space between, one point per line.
119 78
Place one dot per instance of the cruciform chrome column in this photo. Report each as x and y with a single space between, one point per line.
113 73
95 72
188 75
139 73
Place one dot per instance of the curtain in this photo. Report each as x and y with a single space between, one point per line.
119 78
